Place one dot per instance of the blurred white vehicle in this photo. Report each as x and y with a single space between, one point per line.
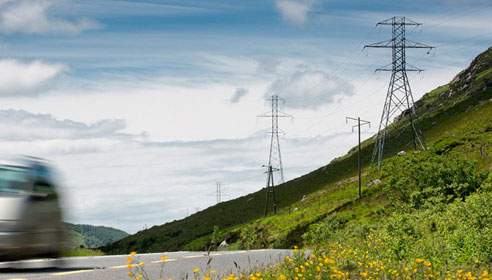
30 214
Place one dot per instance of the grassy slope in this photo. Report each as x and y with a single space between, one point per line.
92 236
448 113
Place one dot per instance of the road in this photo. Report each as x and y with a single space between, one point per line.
177 266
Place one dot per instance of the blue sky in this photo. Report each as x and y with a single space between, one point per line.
137 102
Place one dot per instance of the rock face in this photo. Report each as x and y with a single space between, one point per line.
223 244
375 182
475 79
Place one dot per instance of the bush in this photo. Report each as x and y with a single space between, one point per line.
423 180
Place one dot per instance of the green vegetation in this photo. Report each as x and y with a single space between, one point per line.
422 214
82 252
87 236
483 74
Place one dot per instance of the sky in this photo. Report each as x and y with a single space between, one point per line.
144 105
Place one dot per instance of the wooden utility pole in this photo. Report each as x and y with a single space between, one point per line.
358 153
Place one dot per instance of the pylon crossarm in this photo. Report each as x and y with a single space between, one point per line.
382 44
402 21
416 45
410 67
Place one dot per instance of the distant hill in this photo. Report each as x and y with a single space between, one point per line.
92 236
457 123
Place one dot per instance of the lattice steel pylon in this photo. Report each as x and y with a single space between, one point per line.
399 97
218 192
275 158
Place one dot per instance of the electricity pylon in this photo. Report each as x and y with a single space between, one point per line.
218 192
275 158
399 99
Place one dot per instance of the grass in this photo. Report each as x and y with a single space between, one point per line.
483 74
82 252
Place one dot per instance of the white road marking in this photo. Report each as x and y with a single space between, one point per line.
191 257
71 272
163 261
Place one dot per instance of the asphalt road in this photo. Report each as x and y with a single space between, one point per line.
178 265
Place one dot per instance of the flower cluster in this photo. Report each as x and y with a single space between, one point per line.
334 262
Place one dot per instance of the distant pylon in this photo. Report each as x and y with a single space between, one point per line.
399 99
219 192
275 158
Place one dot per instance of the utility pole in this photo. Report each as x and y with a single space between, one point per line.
275 158
358 153
270 188
399 99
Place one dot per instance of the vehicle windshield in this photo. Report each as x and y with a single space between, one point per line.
13 180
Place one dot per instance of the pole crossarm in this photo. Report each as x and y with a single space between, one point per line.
362 122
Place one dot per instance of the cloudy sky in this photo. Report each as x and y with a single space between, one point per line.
144 105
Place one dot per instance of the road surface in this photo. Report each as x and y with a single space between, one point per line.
177 266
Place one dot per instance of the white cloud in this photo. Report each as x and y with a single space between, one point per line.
310 89
294 11
238 94
20 125
33 17
19 78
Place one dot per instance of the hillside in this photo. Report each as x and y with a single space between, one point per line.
457 122
92 236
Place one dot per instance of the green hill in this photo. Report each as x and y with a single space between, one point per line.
320 207
92 236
